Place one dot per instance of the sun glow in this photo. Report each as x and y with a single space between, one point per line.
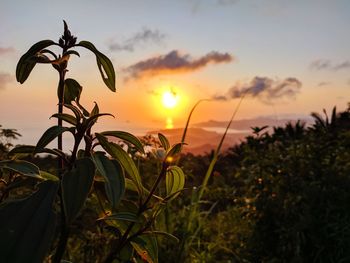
170 99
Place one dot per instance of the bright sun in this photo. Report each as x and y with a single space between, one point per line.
170 99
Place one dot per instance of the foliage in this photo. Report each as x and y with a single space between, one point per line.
93 195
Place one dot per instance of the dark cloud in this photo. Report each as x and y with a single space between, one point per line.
5 78
6 50
266 89
175 62
326 64
142 37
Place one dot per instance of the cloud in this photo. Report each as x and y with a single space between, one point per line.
197 5
144 36
6 50
264 88
5 78
326 64
323 83
175 62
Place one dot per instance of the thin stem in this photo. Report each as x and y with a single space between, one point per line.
125 238
62 243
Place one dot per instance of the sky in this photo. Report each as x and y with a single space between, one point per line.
289 58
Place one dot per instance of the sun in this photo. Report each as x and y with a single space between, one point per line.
170 99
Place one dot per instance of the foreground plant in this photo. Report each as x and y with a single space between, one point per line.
29 226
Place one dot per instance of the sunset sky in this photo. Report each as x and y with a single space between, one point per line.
291 57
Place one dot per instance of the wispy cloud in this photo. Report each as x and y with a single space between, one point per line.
264 88
199 4
323 83
146 35
326 64
175 62
5 78
6 50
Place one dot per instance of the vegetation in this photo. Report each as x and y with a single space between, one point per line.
280 196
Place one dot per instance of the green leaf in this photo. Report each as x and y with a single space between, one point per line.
29 149
128 137
27 226
26 63
49 176
22 167
104 64
76 185
91 120
65 117
113 175
146 247
162 233
164 141
49 135
72 91
175 180
123 158
72 52
95 110
75 110
173 152
124 216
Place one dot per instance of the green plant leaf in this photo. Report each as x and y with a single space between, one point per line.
175 180
27 226
75 110
72 91
162 233
124 216
164 141
76 185
95 110
104 64
29 149
65 117
26 63
146 247
22 167
49 135
128 137
91 120
123 158
113 174
49 176
173 152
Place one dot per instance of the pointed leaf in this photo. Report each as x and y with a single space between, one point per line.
175 180
76 185
27 226
29 149
26 63
104 65
164 141
146 247
65 117
123 158
22 167
49 135
128 137
162 233
113 175
72 91
124 216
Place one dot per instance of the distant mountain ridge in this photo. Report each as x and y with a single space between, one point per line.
201 141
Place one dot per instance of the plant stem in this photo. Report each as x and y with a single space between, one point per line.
60 94
62 243
125 238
